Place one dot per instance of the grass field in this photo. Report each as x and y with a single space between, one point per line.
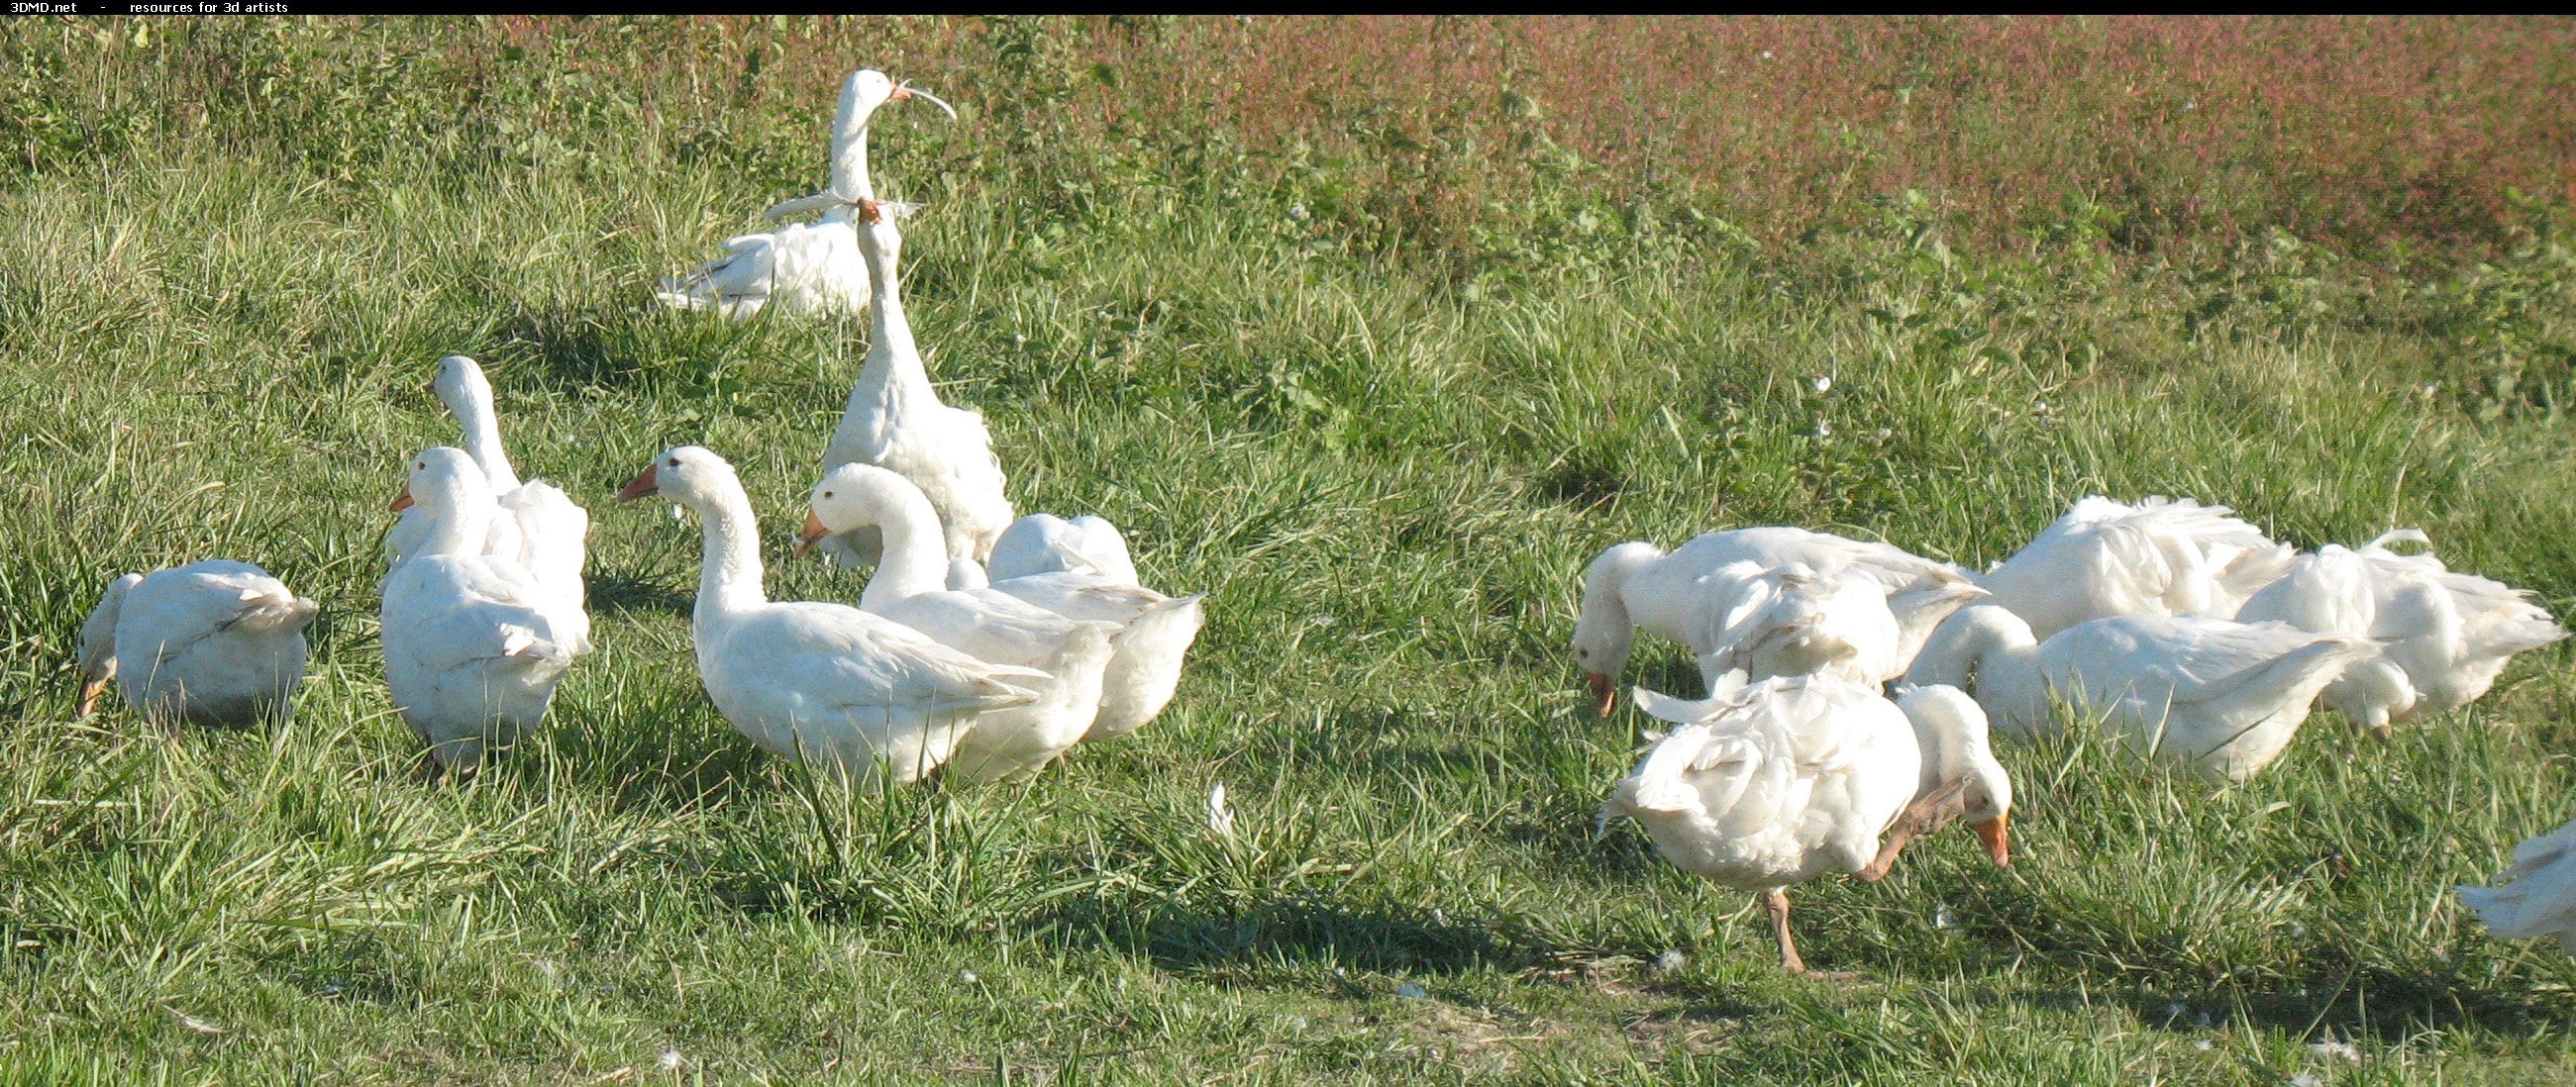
1383 441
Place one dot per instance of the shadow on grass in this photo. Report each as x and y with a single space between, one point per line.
612 594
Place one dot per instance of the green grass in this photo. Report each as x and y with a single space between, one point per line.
1387 484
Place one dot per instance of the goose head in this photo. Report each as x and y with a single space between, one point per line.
460 385
690 475
868 89
1952 730
441 481
855 496
97 652
1603 634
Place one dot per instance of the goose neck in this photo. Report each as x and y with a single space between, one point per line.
892 354
916 553
460 525
729 573
482 426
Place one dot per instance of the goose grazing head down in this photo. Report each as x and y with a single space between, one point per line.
1603 634
98 642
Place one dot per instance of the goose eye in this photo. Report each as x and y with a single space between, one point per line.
674 462
827 494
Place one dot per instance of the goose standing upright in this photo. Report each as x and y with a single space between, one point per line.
1636 585
2163 556
895 421
804 269
538 526
1781 780
474 643
910 587
2223 696
2445 634
211 643
826 682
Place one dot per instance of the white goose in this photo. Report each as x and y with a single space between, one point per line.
538 526
1790 621
212 643
2537 896
799 268
1782 780
1637 586
2445 634
474 643
859 693
2220 695
910 587
1043 543
895 420
2163 556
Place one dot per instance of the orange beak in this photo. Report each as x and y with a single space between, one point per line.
401 501
1998 839
901 92
642 486
90 689
1604 699
811 534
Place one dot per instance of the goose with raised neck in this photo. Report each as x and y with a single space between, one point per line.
895 420
865 696
804 268
910 586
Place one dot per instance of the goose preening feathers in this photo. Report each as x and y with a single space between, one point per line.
2445 634
2217 694
2163 556
894 420
1781 780
210 643
474 642
820 681
1693 594
804 268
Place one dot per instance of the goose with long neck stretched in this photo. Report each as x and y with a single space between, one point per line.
2444 634
537 525
894 420
1154 630
1636 586
802 268
209 643
2222 696
474 643
910 586
861 694
2163 556
2535 897
1778 781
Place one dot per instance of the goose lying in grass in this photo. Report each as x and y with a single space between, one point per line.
1782 780
474 643
210 643
1043 543
2163 556
537 526
2445 634
800 268
1637 586
2537 896
2217 694
857 692
910 587
895 421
